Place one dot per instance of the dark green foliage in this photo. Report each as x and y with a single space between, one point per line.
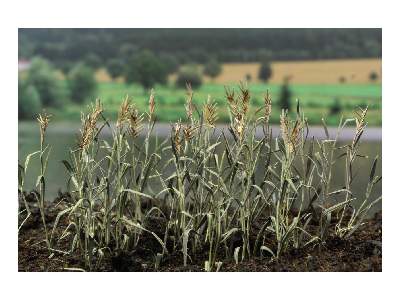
171 63
196 45
29 104
285 95
93 60
81 82
65 66
248 77
212 68
265 72
115 68
42 76
373 76
336 107
189 75
147 69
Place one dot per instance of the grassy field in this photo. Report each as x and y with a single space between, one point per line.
316 100
314 83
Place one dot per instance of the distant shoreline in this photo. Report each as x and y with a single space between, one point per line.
373 134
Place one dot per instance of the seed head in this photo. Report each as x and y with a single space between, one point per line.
189 103
210 112
152 105
244 98
232 101
290 133
124 112
135 122
268 106
176 138
89 122
360 118
44 120
360 124
188 132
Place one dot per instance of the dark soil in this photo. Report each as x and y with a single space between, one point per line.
361 252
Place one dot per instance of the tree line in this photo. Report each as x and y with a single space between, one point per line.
113 47
40 86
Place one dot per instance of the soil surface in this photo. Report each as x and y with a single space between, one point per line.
361 252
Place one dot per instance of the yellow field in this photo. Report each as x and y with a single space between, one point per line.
306 72
301 72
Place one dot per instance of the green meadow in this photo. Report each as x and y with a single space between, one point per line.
316 100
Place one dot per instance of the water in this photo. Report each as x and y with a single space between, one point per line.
63 136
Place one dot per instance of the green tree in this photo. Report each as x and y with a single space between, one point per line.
265 71
81 82
285 95
171 62
115 68
336 107
93 60
248 77
373 76
29 104
146 69
189 74
43 78
212 68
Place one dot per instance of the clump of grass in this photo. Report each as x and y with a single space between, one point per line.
44 152
232 193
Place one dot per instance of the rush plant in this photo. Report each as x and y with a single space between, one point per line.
234 193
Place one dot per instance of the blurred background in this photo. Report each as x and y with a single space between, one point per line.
331 72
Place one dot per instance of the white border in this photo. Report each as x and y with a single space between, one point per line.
173 13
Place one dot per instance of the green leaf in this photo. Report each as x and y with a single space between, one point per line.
28 159
236 254
265 248
185 240
227 234
137 193
68 166
340 191
325 128
335 207
373 169
137 225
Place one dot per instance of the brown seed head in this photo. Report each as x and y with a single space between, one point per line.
360 116
152 105
285 127
210 112
232 101
244 98
188 132
89 122
239 127
135 122
177 137
295 136
44 120
189 103
290 133
268 106
124 112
